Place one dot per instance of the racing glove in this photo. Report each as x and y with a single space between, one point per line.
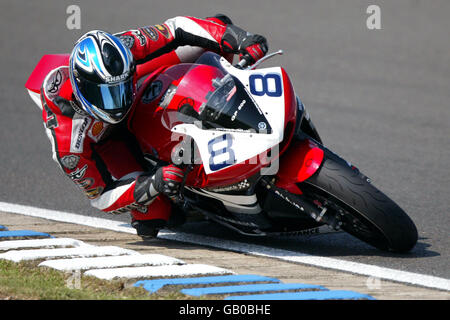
236 40
165 181
254 47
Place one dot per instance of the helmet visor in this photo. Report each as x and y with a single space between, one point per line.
112 98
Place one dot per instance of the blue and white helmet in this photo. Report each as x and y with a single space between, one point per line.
101 71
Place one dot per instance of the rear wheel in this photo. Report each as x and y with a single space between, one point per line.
358 207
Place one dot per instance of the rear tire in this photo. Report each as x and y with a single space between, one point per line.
365 212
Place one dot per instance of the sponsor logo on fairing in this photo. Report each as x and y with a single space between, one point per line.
242 185
262 126
241 105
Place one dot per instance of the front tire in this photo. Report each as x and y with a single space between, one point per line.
363 210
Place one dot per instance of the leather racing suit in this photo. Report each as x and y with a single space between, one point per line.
104 160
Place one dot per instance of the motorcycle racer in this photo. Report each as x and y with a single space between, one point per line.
84 106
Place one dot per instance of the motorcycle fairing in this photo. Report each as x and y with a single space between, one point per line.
47 63
221 148
298 163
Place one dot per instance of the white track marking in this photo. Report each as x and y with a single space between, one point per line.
41 243
111 262
66 217
286 255
323 262
85 251
160 271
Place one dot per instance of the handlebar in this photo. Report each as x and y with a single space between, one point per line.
246 59
244 63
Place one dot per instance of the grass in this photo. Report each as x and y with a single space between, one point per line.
26 281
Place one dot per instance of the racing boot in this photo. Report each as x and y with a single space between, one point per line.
148 229
177 217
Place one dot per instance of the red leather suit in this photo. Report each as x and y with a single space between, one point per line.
101 159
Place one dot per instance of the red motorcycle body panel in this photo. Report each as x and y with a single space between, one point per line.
144 121
300 161
47 63
157 140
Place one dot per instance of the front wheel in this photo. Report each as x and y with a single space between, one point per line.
360 208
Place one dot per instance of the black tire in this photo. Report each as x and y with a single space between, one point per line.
365 212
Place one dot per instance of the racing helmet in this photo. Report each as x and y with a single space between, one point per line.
101 71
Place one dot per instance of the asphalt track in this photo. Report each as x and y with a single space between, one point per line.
379 98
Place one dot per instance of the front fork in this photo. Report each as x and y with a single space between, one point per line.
302 159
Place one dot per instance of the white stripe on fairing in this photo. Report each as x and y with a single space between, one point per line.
231 198
258 250
41 243
111 262
233 206
160 271
233 203
242 209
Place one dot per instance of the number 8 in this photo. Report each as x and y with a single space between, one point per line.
215 153
264 80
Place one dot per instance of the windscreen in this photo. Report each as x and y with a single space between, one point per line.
212 99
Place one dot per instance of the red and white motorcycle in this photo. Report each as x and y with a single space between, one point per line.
249 145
